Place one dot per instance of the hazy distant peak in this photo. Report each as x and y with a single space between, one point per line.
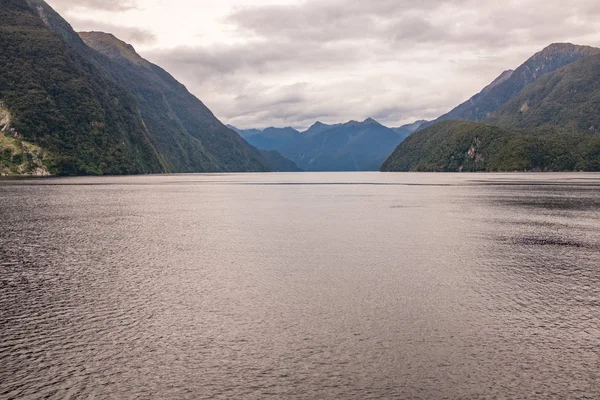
112 47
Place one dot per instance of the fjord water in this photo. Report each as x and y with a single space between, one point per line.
350 285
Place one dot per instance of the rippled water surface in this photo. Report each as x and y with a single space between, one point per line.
316 286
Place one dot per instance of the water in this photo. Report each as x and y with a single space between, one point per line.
350 286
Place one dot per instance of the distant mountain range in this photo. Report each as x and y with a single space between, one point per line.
353 146
90 104
541 117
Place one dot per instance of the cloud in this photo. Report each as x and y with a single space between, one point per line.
130 35
335 60
106 5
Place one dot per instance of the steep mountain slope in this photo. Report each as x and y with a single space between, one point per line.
272 158
273 138
278 163
552 124
185 131
58 101
244 133
354 146
93 113
510 83
407 130
569 97
455 146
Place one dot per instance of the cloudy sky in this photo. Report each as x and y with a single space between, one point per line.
259 63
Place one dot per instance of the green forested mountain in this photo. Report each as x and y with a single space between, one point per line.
186 133
552 124
569 97
66 110
464 146
510 83
58 101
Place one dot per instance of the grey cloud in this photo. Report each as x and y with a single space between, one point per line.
128 34
107 5
391 60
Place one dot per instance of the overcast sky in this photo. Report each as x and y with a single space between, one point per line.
259 63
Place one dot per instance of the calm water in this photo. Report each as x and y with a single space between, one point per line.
316 286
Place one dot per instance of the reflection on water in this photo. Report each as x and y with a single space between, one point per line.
352 285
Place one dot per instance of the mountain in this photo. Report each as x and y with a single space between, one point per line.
272 158
69 109
464 146
278 163
406 130
273 138
411 128
244 133
569 97
318 127
353 146
510 83
185 131
56 100
552 124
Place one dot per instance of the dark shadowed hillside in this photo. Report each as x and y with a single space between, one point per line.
185 131
57 100
70 109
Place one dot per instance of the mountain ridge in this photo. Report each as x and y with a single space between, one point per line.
351 146
95 113
551 124
509 84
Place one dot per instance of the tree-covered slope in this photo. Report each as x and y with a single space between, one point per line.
510 83
101 112
454 146
569 97
187 134
59 102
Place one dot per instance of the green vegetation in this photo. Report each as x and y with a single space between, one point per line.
454 146
510 83
186 133
22 158
569 97
61 103
552 124
111 113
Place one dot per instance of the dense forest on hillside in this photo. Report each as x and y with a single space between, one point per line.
186 133
60 102
68 109
454 146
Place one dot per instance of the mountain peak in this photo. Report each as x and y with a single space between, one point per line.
564 50
112 47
